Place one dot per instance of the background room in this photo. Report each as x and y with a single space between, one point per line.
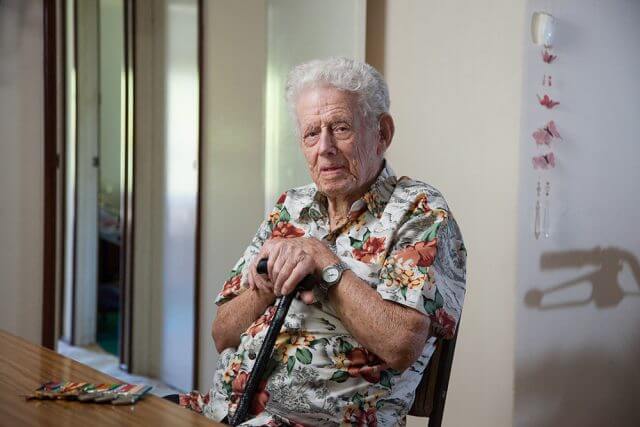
127 197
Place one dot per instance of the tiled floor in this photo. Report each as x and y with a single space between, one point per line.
99 359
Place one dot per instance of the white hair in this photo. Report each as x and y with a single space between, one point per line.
345 74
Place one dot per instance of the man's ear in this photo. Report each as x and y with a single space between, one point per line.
386 129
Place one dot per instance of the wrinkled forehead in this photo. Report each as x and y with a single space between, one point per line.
322 103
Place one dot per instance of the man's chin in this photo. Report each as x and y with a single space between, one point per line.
333 190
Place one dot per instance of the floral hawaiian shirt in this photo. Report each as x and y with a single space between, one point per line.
402 240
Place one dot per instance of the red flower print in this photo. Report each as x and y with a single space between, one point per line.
262 322
194 401
422 253
371 417
421 204
359 417
445 324
370 249
231 286
354 215
260 398
287 230
281 199
365 364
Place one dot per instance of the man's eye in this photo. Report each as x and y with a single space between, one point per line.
341 129
311 137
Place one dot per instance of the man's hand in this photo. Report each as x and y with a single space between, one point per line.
290 261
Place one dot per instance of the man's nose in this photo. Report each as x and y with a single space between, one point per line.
327 144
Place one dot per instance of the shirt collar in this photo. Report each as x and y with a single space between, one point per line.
375 198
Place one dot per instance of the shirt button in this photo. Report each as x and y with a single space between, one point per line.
252 355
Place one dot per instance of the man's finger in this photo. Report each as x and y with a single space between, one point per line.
271 252
263 284
299 270
277 269
308 297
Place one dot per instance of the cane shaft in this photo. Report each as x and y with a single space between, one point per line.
267 346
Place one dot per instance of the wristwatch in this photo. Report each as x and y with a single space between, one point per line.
331 275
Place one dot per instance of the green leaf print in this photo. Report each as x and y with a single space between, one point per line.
431 232
430 306
304 355
237 270
290 363
320 341
284 215
366 235
227 388
344 347
439 299
358 399
385 379
403 291
423 270
355 243
314 214
340 376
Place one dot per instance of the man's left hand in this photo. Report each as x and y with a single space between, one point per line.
291 260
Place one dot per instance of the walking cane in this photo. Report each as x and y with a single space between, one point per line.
267 345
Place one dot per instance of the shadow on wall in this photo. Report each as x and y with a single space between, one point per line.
606 290
592 387
597 383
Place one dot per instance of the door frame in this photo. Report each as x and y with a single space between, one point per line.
54 244
54 148
51 117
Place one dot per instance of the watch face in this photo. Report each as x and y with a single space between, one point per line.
330 275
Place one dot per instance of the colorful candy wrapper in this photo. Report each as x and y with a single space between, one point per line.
116 393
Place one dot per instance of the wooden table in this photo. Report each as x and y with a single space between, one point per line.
24 366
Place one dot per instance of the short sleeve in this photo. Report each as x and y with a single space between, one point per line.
426 269
236 282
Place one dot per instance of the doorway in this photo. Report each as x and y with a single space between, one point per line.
97 175
102 254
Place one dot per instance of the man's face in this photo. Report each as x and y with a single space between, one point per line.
342 155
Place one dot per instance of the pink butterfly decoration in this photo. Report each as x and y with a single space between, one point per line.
546 161
545 101
548 57
545 134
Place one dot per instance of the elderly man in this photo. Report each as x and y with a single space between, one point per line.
388 256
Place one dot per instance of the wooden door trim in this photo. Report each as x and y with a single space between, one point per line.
128 205
198 249
50 174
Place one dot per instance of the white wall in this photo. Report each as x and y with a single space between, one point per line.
21 173
180 124
578 345
291 41
454 72
233 188
166 188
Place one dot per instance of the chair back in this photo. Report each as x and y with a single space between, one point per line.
431 393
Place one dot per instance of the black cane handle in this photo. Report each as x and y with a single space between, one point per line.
267 345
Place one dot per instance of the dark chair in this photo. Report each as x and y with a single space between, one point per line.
432 390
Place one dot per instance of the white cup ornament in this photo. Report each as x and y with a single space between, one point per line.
542 28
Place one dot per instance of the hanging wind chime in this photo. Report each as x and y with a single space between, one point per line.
542 29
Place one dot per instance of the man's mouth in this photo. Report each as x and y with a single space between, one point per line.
331 168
